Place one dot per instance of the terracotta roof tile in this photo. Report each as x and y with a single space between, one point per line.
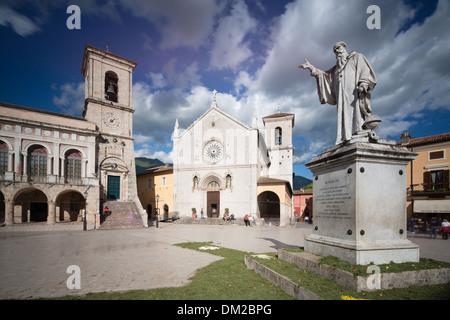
427 140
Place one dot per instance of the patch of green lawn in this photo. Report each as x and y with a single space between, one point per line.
330 290
359 270
226 279
229 279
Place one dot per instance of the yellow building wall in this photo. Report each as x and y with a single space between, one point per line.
422 161
281 190
147 192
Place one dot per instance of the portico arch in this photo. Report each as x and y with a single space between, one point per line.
30 205
269 205
69 205
275 200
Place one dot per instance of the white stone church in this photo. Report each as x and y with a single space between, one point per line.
220 164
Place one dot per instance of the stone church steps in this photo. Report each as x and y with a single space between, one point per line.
219 221
124 215
209 221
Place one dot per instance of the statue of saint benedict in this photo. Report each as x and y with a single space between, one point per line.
348 85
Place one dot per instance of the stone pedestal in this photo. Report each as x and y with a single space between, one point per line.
359 209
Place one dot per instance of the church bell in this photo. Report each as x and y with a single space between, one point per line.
110 89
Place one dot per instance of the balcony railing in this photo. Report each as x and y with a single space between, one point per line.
52 179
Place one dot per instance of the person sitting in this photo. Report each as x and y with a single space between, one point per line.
232 217
225 217
106 210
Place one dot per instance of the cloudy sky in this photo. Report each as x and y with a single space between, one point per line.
247 50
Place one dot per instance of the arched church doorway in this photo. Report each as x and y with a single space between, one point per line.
269 205
213 200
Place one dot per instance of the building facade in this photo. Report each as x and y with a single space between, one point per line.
155 191
56 167
428 178
220 164
303 204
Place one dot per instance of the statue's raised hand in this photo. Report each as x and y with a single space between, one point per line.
306 65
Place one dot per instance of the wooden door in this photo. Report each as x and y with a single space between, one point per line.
213 204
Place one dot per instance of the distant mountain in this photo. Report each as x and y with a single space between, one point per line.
301 182
143 164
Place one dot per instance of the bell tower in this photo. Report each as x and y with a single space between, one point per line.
108 91
108 104
278 135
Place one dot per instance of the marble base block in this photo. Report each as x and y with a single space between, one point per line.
359 208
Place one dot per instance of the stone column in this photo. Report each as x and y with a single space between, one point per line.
10 160
63 173
51 218
9 212
25 164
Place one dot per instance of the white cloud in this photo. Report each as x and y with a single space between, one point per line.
71 98
160 155
21 24
181 23
230 48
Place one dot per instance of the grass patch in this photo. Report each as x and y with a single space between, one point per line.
229 279
358 270
330 290
226 279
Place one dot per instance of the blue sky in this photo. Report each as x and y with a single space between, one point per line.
246 50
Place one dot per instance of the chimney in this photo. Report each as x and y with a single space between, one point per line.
406 138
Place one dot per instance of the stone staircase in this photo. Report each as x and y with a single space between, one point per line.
124 215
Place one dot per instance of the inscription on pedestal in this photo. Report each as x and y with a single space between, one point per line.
331 200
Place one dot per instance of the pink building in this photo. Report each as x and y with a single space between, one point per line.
303 199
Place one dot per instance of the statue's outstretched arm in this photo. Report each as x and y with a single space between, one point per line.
310 67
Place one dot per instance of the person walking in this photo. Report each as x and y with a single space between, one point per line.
246 220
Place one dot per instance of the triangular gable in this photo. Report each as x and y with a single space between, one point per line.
219 111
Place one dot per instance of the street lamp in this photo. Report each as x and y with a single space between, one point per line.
157 211
83 212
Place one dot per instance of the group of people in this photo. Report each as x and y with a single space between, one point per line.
436 225
249 220
228 217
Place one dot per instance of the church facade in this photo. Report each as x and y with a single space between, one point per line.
222 165
56 167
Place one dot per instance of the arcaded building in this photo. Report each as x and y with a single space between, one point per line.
56 167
